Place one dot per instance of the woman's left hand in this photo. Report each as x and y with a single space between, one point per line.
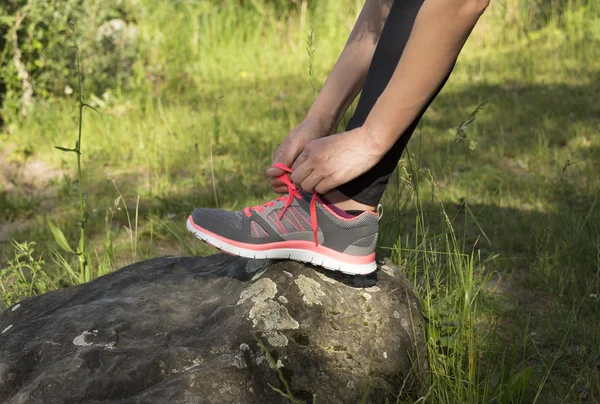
334 160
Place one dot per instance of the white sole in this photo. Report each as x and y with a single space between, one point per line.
295 254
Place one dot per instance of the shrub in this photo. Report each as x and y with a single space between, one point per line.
44 32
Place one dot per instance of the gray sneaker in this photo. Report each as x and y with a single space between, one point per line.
295 226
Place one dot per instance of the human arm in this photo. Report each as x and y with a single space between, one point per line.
438 35
341 87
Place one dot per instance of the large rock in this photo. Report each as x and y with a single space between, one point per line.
183 329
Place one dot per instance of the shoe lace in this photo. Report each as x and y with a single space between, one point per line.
289 198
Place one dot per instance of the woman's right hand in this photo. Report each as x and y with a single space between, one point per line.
311 128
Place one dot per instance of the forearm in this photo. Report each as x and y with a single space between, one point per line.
348 75
438 35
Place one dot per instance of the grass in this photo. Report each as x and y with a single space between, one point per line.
497 224
81 252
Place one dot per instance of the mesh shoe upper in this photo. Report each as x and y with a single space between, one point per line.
269 226
232 219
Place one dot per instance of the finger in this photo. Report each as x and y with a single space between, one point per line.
276 182
280 190
300 174
311 182
302 157
278 186
273 171
325 185
285 154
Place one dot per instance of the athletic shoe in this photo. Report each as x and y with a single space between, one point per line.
296 226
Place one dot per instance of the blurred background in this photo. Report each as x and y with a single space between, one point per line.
493 211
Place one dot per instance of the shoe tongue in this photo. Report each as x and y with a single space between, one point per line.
305 195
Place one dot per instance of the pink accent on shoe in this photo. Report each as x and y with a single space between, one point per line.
294 225
293 214
262 231
261 208
298 244
296 211
339 212
346 219
313 217
254 229
277 223
292 193
258 230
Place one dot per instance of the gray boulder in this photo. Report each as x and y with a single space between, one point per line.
187 330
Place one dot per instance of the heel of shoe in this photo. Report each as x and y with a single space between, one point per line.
363 246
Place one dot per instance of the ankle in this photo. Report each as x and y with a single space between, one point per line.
345 203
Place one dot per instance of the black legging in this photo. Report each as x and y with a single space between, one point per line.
369 187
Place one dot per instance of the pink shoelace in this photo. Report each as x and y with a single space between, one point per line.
289 198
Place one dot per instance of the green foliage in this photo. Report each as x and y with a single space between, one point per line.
276 8
310 50
44 38
11 207
538 13
121 54
287 393
85 273
60 238
24 276
448 281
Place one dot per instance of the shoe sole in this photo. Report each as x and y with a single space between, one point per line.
296 254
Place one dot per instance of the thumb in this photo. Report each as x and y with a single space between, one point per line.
283 155
275 172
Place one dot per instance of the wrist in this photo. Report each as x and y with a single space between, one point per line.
377 140
323 116
327 109
326 121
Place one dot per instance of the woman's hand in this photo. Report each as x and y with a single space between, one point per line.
311 128
334 160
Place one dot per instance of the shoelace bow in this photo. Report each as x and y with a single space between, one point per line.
289 198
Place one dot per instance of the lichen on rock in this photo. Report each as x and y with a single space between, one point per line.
276 339
310 290
259 291
272 316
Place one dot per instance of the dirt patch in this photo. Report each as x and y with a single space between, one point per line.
30 176
7 229
27 179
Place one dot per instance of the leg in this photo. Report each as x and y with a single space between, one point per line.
304 227
369 187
